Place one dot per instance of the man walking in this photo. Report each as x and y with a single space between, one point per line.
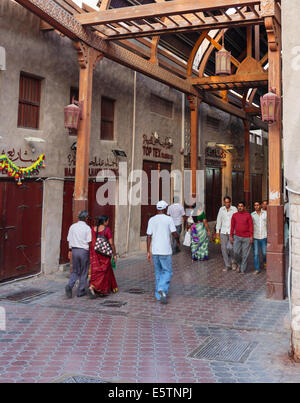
242 230
223 232
264 205
259 218
160 227
79 238
176 211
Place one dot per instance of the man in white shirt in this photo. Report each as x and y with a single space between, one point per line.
259 218
160 227
223 232
79 238
176 211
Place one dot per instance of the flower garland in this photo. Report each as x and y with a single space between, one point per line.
21 173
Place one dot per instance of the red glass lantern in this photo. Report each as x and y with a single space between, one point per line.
223 61
73 113
270 103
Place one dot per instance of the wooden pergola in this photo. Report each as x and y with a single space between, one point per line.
162 40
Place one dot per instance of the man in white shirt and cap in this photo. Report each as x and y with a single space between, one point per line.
223 232
79 238
160 227
176 211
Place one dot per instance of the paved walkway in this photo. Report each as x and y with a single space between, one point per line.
238 334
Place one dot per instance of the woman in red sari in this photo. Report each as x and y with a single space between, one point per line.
102 280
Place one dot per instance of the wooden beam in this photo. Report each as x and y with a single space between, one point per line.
87 58
175 7
235 78
194 110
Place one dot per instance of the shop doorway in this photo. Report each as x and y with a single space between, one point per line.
149 210
213 193
94 209
20 229
237 187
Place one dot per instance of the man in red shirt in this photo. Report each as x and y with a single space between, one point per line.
241 235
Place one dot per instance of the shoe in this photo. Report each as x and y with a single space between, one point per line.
163 297
227 268
234 266
256 272
68 290
91 293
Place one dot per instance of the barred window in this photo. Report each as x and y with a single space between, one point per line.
162 106
29 101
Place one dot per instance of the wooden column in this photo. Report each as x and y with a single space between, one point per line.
194 108
275 249
87 58
247 164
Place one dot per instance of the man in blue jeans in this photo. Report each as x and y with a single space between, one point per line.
160 227
259 218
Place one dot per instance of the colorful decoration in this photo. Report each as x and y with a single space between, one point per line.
21 173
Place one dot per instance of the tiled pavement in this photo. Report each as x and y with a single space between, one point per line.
143 341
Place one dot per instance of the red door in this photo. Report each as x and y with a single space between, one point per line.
95 210
20 229
149 210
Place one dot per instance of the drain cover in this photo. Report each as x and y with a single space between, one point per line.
26 295
216 349
136 291
115 304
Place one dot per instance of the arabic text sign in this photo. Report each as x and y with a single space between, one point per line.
2 319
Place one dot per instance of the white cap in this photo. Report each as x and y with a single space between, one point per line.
161 205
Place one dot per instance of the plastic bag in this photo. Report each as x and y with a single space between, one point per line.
187 239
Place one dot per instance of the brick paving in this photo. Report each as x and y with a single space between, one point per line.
51 337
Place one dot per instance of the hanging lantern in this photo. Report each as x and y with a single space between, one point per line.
270 103
223 61
72 114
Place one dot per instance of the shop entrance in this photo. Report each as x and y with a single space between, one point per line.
20 229
213 199
149 210
94 209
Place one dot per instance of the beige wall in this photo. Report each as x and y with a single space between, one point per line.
291 139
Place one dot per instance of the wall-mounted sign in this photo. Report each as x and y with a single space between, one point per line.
155 147
96 165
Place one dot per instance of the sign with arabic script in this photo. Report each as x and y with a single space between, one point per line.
96 165
20 155
154 146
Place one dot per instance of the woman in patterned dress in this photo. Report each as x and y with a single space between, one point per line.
200 233
102 280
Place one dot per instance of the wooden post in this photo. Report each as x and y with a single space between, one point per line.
247 164
275 248
194 108
87 58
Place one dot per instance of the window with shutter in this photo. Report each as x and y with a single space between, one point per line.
29 101
107 119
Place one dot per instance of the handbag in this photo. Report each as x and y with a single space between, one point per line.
102 245
187 239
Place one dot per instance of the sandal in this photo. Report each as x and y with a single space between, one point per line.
91 293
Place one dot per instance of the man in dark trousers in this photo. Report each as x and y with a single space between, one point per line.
241 235
79 238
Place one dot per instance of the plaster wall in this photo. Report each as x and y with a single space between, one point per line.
54 59
291 140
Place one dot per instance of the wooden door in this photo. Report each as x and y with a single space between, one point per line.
256 189
20 229
94 211
149 210
237 187
213 194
